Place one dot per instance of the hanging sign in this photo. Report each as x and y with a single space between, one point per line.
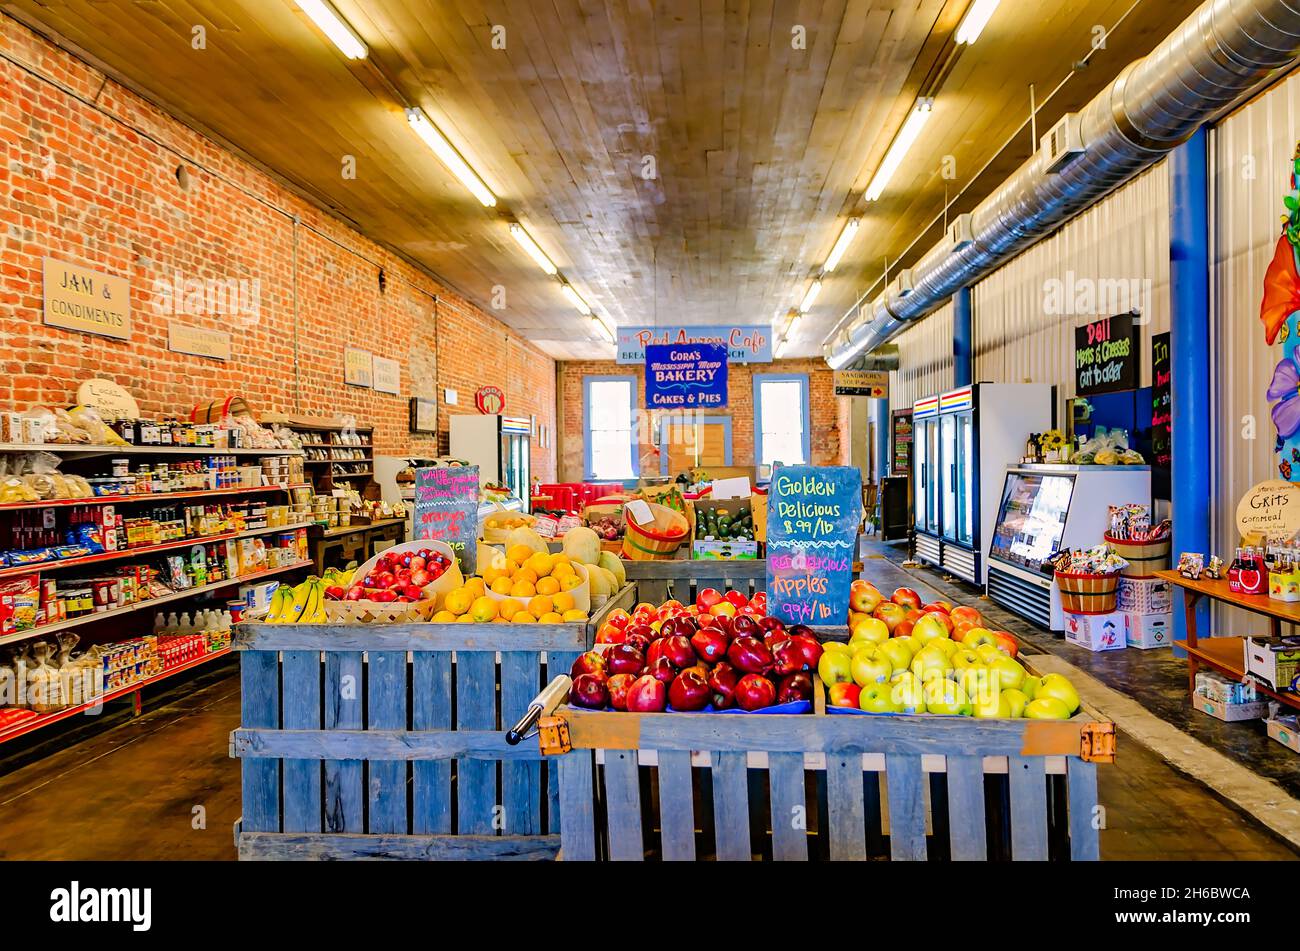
1106 356
214 344
490 400
873 383
388 375
108 399
1271 509
446 510
813 514
1162 417
92 302
901 423
358 368
685 377
744 344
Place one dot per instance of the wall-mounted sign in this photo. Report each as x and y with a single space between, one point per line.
108 399
490 400
424 416
213 344
446 510
813 514
901 442
1162 416
873 383
388 375
685 377
1271 510
358 368
1106 356
744 344
92 302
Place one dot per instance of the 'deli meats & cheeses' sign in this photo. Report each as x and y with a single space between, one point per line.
1106 356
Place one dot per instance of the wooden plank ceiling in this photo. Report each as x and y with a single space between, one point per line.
761 150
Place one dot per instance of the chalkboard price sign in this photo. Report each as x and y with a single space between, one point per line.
446 510
1106 356
1161 415
813 513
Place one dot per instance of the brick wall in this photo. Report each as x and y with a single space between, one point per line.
827 412
90 175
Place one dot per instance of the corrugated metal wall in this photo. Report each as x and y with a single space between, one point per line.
1250 155
924 360
1114 252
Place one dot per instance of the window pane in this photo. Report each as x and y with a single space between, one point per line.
609 428
611 404
782 422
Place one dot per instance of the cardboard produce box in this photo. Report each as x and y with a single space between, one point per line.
1096 632
732 512
1286 730
1144 596
1230 712
1146 631
733 550
1274 660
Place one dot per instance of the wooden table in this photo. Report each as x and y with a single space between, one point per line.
352 542
1227 654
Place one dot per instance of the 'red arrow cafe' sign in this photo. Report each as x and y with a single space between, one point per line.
744 344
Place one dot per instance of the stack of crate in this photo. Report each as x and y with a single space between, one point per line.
1146 605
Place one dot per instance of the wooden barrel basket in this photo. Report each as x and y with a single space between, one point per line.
1088 594
658 539
1144 558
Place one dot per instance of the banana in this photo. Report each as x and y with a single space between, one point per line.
279 601
314 611
293 613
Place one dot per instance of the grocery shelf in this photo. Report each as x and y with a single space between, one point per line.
17 570
1227 656
71 449
149 497
85 619
31 724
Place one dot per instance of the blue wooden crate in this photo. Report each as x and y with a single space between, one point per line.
385 741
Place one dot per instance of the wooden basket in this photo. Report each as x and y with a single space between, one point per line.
1088 594
1144 558
217 410
498 536
379 612
658 540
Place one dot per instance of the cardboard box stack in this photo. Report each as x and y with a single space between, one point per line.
1146 605
1227 700
730 506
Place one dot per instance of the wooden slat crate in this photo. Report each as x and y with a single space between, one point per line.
341 721
660 581
736 787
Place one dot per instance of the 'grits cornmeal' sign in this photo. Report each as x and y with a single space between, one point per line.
92 302
1270 509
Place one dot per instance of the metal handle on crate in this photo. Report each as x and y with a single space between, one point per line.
552 695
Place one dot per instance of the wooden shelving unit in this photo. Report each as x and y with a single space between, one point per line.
338 455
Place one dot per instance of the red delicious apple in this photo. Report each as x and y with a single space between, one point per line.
420 577
940 607
678 650
619 618
744 626
707 598
356 593
810 648
385 595
903 628
403 576
336 592
844 695
624 659
726 624
754 692
589 691
966 615
710 644
414 592
645 630
1006 643
737 598
688 691
759 601
663 670
592 662
906 596
891 613
609 634
787 657
722 681
864 597
750 655
639 641
647 695
797 686
618 686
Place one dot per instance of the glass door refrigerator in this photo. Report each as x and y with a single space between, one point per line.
500 446
925 480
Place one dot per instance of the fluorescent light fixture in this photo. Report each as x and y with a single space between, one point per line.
568 291
902 142
528 244
335 27
806 304
449 156
846 238
976 18
780 347
603 328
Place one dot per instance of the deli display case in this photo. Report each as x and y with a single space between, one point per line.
1044 509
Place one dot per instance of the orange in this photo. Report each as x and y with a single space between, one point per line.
569 582
508 608
465 618
562 570
523 617
499 620
540 563
547 585
501 585
477 586
519 553
550 618
490 575
522 589
458 600
575 615
443 617
541 605
526 574
483 609
564 601
559 558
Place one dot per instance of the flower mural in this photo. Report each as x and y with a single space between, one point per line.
1279 312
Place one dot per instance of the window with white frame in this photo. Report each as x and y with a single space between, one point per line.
610 424
781 432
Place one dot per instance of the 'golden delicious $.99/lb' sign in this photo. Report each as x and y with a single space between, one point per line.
92 302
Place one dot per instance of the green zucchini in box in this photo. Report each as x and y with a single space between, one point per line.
722 528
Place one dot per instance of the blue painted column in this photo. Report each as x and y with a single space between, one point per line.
963 360
882 440
1189 281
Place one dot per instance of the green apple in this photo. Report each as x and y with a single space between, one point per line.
929 628
870 668
977 681
1046 708
1010 674
991 706
896 652
872 629
1059 688
965 657
1030 686
835 667
838 646
987 652
930 662
977 636
908 641
908 693
946 698
1016 699
947 645
878 698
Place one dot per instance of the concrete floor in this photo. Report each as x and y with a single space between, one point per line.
163 786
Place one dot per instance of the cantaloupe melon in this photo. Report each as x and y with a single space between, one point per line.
614 565
526 536
582 544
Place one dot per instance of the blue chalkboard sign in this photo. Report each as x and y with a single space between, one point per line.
685 376
813 513
446 510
